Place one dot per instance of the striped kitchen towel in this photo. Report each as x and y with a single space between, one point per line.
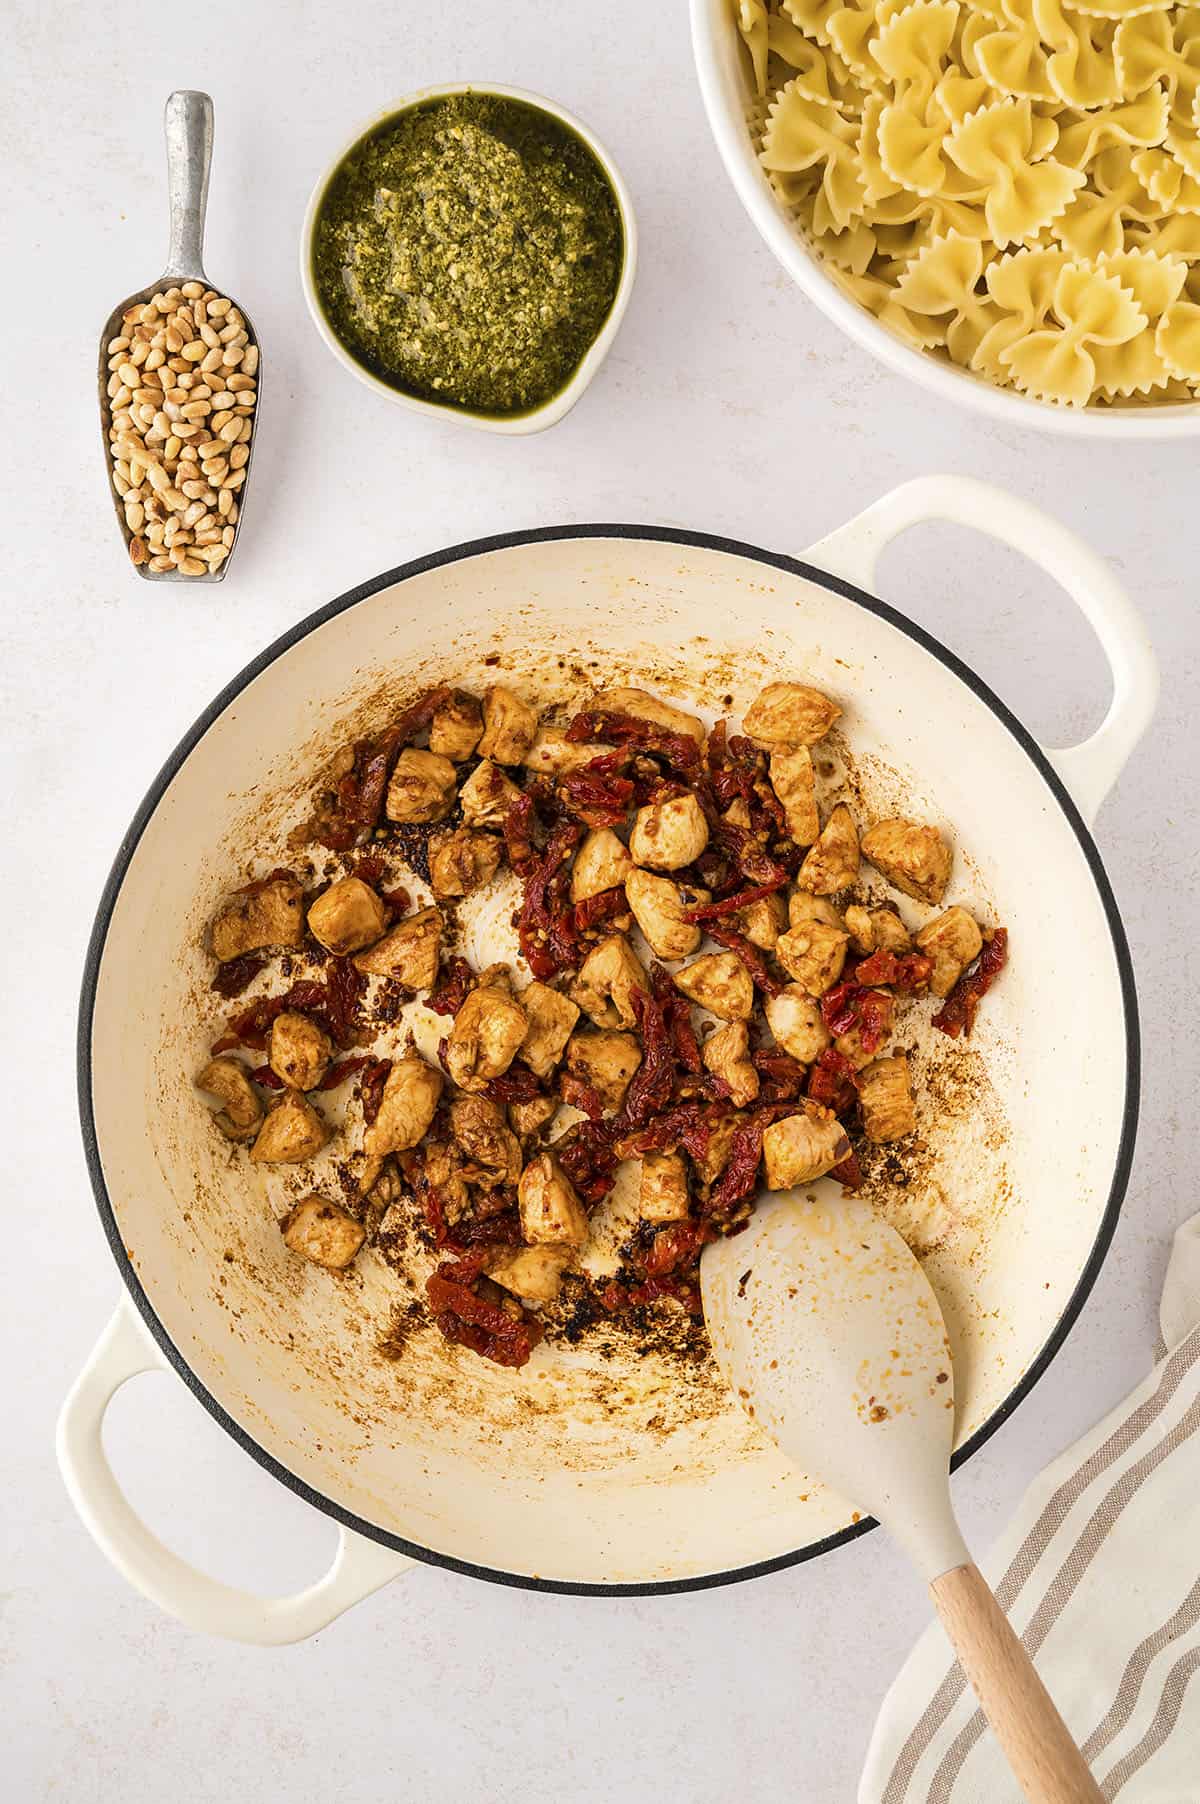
1100 1574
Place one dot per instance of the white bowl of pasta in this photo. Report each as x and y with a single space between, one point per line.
1001 203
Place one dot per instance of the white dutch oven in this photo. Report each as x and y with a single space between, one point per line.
730 102
580 1473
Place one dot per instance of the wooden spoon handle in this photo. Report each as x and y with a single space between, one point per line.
1048 1765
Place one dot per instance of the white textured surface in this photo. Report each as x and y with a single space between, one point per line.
729 404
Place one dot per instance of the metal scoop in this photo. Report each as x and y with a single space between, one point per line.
188 122
828 1330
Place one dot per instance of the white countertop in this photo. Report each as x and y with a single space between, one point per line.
729 404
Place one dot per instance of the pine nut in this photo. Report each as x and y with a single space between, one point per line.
193 290
120 343
160 563
250 360
238 456
137 550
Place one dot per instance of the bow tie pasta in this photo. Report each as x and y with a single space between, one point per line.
1009 185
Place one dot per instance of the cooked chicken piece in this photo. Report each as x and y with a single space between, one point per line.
462 861
763 921
292 1131
487 795
803 908
239 1119
738 813
832 863
813 955
715 1157
789 714
668 835
487 1032
483 1134
658 908
410 952
271 914
795 1020
952 941
509 726
727 1055
802 1147
529 1118
644 706
850 1045
347 917
551 1212
792 781
606 1059
445 1173
876 930
861 929
553 754
552 1017
664 1188
408 1105
915 858
422 787
719 982
322 1232
601 863
886 1099
456 726
532 1273
606 980
300 1051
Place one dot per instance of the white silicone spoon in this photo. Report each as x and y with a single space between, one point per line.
827 1329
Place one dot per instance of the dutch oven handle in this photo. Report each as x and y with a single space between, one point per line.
1088 770
359 1566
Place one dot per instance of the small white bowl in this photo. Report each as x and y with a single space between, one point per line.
538 418
727 96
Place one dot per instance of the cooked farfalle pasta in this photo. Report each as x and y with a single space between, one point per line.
1010 185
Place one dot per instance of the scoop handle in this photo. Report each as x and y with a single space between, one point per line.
1037 1743
188 123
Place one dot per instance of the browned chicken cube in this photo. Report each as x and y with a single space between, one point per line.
850 1045
802 1147
422 787
717 1149
509 726
763 921
269 913
794 1017
719 982
457 724
487 795
952 941
792 781
292 1131
885 1099
406 1109
532 1273
789 714
659 907
644 706
410 953
347 917
832 863
299 1051
551 1212
913 857
606 1059
486 1035
727 1055
322 1232
483 1134
813 955
876 930
242 1112
803 908
606 981
669 835
462 861
529 1118
602 862
663 1194
552 754
552 1017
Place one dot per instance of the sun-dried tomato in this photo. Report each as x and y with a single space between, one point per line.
734 764
957 1014
781 1078
342 1069
848 1172
520 830
581 1095
473 1321
237 974
750 856
688 1125
681 1290
605 906
452 988
740 1176
517 1084
371 1088
850 1006
677 1015
674 1246
831 1081
599 793
252 1026
368 869
907 972
761 975
267 1078
587 1155
500 1229
678 750
360 793
650 1088
546 923
345 986
398 899
731 905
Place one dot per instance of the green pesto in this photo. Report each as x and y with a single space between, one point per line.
468 251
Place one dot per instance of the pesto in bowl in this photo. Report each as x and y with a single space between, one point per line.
467 252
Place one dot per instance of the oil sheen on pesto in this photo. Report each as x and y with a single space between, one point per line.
467 251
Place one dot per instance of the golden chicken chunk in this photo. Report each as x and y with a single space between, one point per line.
738 813
242 1112
552 754
813 955
850 1045
802 908
551 1212
663 1192
552 1017
718 1147
292 1131
644 706
487 795
792 781
763 921
299 1051
802 1147
876 930
322 1232
794 1018
727 1055
719 982
462 861
885 1099
527 1119
602 862
406 1109
532 1273
456 726
606 980
410 953
952 941
422 787
487 1033
789 714
347 917
509 726
270 913
913 857
668 835
832 862
482 1133
658 908
606 1059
